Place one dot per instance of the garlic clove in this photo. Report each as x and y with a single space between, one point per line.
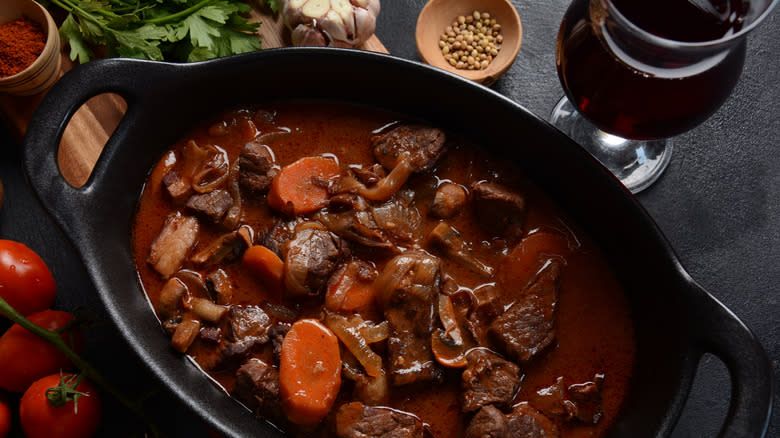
335 27
304 35
316 8
365 24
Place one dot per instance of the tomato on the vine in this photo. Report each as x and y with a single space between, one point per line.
59 406
25 281
25 358
5 417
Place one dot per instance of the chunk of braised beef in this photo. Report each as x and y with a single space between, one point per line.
499 210
580 400
177 187
211 334
256 167
424 144
526 422
219 286
211 206
280 233
552 401
276 333
310 258
489 422
248 322
170 248
232 353
448 201
528 326
257 387
587 399
407 290
488 379
356 420
247 332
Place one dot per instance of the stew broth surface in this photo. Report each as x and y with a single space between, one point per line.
593 328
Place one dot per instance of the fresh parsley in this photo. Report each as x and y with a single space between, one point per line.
273 5
173 30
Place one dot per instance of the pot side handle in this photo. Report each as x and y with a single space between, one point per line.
66 203
723 334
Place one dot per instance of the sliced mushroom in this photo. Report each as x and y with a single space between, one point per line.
207 310
185 334
450 345
356 226
385 188
447 241
228 247
196 287
170 301
449 201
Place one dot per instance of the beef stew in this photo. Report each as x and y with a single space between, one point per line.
458 293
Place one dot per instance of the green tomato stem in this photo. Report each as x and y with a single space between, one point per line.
54 338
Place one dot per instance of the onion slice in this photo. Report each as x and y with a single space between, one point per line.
350 336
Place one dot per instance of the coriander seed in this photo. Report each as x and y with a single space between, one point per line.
471 41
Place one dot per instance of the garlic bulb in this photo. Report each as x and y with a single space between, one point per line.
337 23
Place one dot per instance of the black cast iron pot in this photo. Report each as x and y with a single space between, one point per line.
676 320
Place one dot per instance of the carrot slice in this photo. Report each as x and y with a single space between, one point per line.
309 372
266 265
351 288
299 189
529 256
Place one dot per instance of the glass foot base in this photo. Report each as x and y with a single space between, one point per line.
636 163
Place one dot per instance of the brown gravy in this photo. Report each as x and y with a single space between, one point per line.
594 331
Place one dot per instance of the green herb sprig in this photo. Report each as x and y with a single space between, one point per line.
273 5
171 30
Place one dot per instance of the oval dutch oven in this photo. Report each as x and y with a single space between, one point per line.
676 320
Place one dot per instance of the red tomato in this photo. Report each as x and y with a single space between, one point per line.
25 358
41 419
25 281
5 417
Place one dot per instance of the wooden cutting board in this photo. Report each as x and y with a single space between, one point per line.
93 123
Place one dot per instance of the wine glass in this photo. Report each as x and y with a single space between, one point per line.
638 72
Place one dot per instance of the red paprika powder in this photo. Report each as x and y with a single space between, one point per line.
21 42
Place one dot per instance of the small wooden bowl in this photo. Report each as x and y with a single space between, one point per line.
438 14
45 70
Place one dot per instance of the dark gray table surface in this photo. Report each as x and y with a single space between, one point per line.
718 204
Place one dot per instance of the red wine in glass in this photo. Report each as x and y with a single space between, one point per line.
628 97
636 72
